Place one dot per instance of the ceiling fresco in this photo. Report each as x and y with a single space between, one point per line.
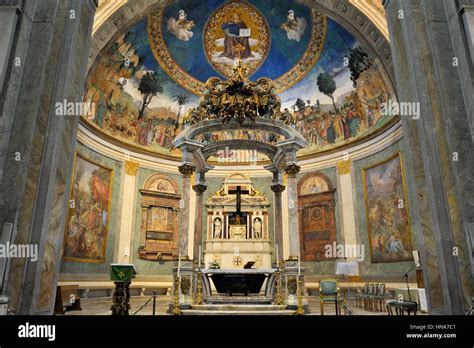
143 82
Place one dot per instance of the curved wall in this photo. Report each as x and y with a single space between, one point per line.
362 156
126 197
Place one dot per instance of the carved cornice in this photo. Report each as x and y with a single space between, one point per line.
113 16
344 167
375 12
106 9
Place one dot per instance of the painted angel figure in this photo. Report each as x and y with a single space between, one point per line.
181 27
294 26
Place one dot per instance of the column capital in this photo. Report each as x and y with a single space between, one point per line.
278 188
200 188
131 168
187 169
292 169
344 167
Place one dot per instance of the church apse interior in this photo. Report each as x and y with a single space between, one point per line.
227 157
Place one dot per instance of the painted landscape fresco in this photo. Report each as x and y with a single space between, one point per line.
87 222
144 82
387 213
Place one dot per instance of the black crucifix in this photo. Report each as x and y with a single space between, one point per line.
239 193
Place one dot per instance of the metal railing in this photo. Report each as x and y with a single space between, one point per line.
344 306
147 302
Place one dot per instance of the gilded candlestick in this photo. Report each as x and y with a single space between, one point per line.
278 297
199 297
176 308
299 306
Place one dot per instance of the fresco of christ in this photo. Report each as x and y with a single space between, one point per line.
235 45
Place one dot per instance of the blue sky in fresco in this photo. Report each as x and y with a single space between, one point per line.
283 53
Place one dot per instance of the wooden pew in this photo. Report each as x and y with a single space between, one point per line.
67 296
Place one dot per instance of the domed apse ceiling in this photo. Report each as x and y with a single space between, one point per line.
162 60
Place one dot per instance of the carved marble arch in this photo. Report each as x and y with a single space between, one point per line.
316 203
198 153
159 219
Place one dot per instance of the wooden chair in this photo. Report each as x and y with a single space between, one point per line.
401 307
328 293
372 303
361 294
368 297
379 297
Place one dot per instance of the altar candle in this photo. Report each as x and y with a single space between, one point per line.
416 258
179 263
277 255
199 264
299 264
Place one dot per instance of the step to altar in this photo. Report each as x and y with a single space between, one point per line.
245 300
237 312
238 307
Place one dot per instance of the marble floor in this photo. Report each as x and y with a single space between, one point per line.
101 306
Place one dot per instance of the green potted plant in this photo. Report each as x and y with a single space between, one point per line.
214 265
